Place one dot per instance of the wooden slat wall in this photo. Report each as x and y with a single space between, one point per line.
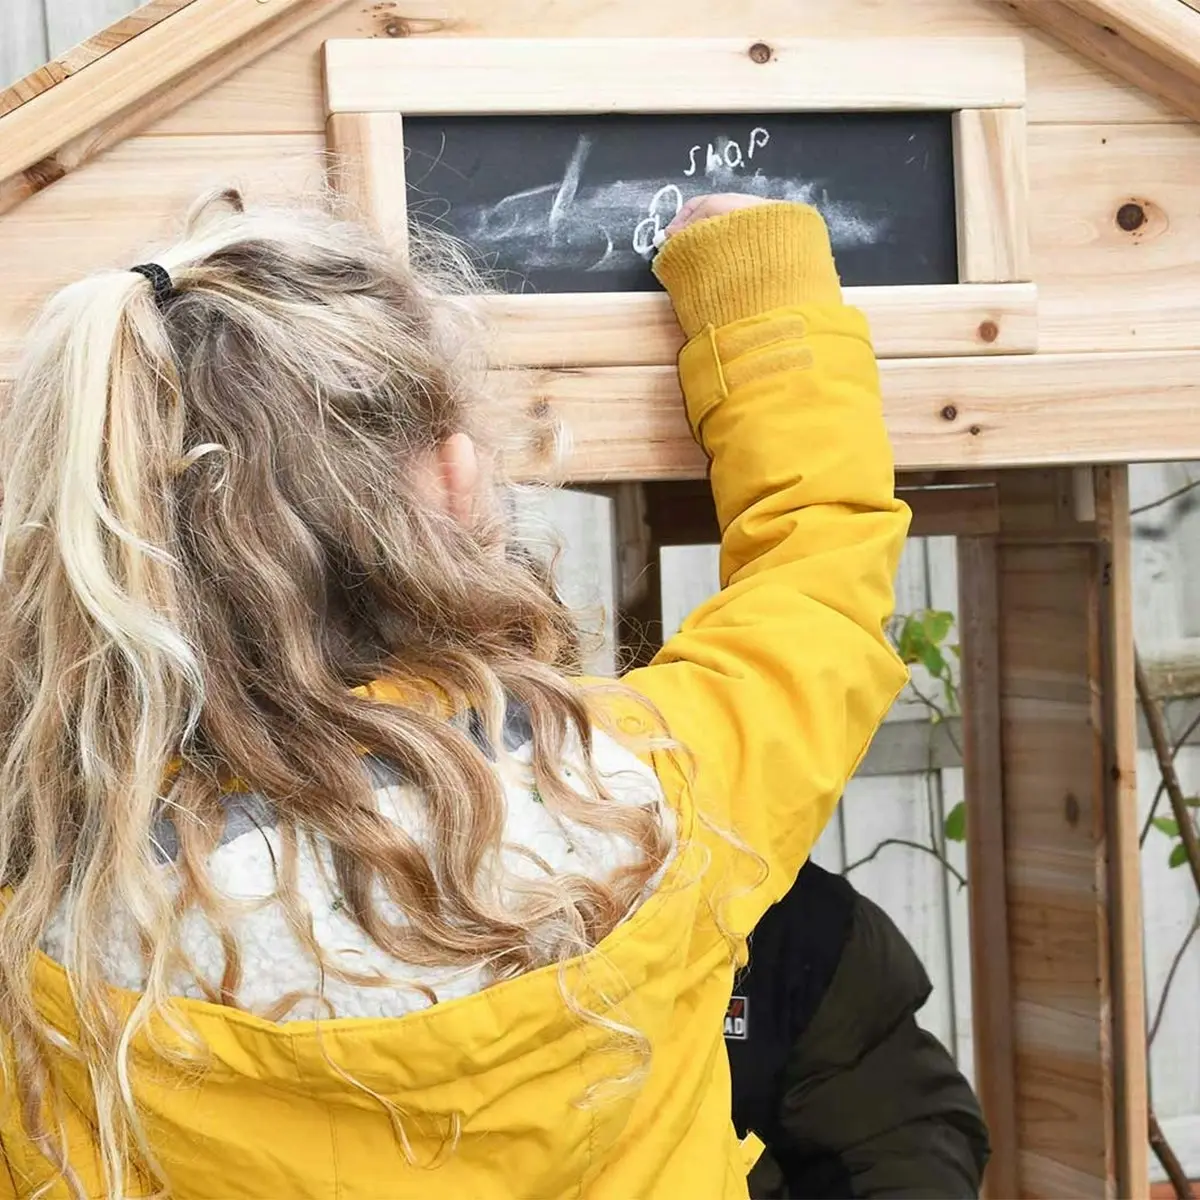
1095 145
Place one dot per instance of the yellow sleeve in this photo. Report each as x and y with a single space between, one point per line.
777 684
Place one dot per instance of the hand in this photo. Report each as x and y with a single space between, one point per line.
703 207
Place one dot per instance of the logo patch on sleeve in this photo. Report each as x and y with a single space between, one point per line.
737 1025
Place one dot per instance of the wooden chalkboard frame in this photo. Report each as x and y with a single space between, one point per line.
588 347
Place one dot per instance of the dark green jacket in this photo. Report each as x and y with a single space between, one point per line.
830 1068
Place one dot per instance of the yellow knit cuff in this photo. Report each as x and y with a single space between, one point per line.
748 262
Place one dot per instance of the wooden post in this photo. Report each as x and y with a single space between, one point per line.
367 169
639 627
983 786
1066 706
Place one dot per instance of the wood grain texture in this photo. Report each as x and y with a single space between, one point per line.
74 26
117 210
1116 236
627 422
640 329
681 512
1122 826
983 785
1153 44
1051 685
367 169
137 82
991 179
440 76
282 92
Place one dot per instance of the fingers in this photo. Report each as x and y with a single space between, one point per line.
700 208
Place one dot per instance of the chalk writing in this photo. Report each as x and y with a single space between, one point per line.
579 203
727 153
537 225
664 208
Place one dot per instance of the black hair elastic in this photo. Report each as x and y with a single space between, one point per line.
159 279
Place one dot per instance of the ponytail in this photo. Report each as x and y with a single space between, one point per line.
91 642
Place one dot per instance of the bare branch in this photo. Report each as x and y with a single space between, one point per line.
1166 764
892 841
1190 486
1170 1163
1165 994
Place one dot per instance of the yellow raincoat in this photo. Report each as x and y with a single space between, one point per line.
776 685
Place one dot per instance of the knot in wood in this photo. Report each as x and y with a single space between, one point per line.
1131 217
760 52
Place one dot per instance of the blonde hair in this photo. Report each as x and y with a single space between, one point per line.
214 529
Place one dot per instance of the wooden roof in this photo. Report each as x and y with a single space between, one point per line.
168 51
1153 44
130 75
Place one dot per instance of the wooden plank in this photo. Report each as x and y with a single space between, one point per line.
136 83
628 423
991 178
442 76
991 981
681 512
1152 44
119 209
640 329
86 46
1122 824
1056 681
639 598
367 169
23 46
1116 236
80 31
282 92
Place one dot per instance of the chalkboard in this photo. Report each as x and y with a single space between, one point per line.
571 204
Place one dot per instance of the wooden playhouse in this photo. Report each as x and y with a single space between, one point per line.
1016 186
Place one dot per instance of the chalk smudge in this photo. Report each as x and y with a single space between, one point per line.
531 229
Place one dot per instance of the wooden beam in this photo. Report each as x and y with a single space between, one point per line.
64 65
627 423
639 598
1119 784
1064 733
137 82
681 512
640 329
443 76
991 177
987 894
1152 44
366 169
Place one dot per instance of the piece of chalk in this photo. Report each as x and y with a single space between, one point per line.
659 238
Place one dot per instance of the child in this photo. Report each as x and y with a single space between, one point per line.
322 875
830 1068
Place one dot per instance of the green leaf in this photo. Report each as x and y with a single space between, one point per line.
938 625
956 650
955 827
1178 856
932 660
1167 826
1192 801
911 640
